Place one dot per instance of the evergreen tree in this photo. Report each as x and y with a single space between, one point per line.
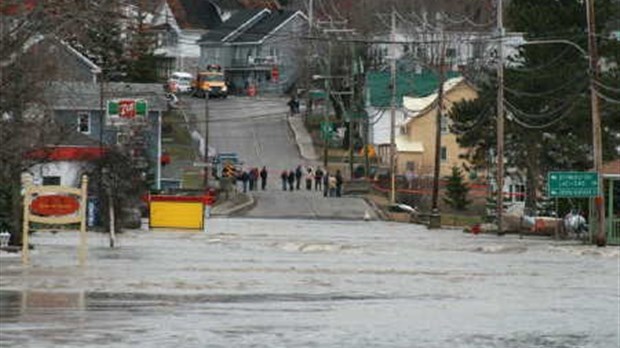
547 99
456 190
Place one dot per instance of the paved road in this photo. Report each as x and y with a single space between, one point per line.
257 129
305 283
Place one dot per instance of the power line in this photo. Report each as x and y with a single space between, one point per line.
605 97
604 86
513 117
547 114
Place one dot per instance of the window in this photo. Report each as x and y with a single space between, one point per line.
411 165
84 123
518 192
451 52
444 153
444 125
51 180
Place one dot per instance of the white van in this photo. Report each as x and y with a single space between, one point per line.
180 82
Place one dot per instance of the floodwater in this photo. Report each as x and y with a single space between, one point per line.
294 283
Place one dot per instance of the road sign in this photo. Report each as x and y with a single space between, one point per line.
327 129
573 184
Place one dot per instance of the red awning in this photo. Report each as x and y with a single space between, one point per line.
68 153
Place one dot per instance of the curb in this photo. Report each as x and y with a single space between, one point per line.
300 148
251 202
380 213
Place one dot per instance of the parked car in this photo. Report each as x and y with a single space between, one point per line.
180 82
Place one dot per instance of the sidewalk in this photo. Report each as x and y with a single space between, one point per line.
302 138
237 203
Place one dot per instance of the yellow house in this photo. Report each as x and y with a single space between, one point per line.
415 142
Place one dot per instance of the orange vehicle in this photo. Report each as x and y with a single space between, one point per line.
210 82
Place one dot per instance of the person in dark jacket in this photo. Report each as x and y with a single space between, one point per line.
339 182
318 179
263 178
253 178
245 177
298 174
284 177
291 180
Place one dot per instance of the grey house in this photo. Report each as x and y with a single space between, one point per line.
257 47
78 108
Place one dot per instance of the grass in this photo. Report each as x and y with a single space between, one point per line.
460 220
193 179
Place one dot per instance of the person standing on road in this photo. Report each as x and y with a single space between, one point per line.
284 177
253 179
245 177
298 174
325 184
263 178
318 179
332 185
309 178
291 181
339 182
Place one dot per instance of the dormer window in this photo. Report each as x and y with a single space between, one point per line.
83 123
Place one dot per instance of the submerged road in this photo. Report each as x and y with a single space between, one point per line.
257 129
304 283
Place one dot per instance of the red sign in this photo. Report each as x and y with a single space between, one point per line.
54 205
275 74
127 108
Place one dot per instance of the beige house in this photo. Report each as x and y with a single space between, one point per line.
415 140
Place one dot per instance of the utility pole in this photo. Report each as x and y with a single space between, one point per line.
393 110
596 125
310 16
327 102
206 143
435 218
353 110
500 120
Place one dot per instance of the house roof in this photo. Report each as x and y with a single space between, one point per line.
195 14
266 26
238 20
611 169
86 96
407 84
417 105
403 144
412 107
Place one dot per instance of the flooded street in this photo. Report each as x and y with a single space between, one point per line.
295 283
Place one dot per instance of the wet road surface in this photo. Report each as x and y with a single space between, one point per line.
295 283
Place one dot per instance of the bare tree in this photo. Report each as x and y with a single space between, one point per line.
25 72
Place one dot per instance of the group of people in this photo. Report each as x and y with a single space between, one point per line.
249 179
331 185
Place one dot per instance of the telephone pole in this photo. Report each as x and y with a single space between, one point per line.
206 143
435 219
393 110
596 125
500 120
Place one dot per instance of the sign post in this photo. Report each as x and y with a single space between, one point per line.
56 205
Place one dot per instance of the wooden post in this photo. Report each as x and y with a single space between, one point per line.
112 222
83 207
557 220
26 183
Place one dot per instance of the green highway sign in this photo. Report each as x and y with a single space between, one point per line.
572 184
327 129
